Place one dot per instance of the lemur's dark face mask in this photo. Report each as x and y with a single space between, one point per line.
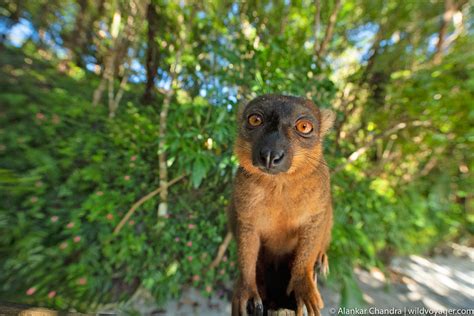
278 130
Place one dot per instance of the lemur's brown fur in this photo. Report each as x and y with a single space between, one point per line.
282 222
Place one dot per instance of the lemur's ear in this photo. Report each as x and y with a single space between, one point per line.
241 108
327 120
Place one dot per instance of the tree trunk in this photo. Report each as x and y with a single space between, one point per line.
79 40
151 54
447 17
163 168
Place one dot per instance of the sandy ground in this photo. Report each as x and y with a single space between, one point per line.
438 283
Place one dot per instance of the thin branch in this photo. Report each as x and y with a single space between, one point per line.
428 167
221 251
330 29
317 24
107 73
347 98
110 85
121 41
99 91
348 102
126 75
359 152
375 53
133 23
164 91
119 95
458 29
142 200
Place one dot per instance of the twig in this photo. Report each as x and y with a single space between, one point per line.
221 251
143 200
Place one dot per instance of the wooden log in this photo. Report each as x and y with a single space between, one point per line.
12 309
281 312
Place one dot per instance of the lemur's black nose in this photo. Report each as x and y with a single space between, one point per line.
271 158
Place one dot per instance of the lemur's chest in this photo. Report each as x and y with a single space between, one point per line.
279 232
282 214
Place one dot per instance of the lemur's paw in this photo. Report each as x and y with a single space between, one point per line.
246 302
306 294
323 264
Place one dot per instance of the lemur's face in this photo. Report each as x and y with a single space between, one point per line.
280 134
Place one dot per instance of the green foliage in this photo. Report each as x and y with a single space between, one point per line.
69 175
401 152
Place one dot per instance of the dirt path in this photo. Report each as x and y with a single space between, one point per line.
438 283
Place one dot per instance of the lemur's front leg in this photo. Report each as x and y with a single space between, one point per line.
246 290
310 248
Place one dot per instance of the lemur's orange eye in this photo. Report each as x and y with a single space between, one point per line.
255 120
304 127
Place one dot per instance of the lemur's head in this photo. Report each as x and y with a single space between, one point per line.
281 134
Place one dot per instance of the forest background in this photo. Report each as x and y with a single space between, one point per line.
117 119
